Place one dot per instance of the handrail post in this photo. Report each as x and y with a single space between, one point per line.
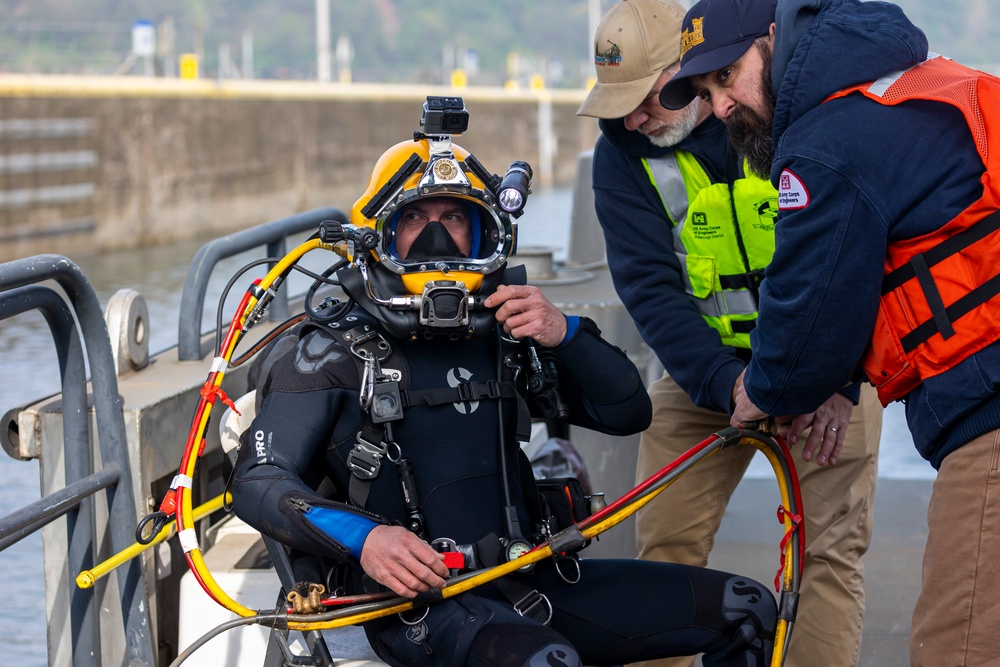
111 432
78 463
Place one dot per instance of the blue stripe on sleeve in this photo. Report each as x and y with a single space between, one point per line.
348 528
572 324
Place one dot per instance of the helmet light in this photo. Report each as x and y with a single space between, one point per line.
514 188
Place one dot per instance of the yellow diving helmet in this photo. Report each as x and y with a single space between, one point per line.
465 234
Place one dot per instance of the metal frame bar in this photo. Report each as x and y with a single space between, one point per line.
74 499
20 523
111 434
278 653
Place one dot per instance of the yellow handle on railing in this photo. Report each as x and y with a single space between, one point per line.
88 578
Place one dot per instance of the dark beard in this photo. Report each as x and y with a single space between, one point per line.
751 132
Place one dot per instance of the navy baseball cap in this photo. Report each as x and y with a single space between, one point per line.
715 34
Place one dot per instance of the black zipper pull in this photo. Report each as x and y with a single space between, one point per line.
300 505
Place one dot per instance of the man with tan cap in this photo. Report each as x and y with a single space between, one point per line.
667 186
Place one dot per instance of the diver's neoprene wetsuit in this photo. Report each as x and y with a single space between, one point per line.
619 611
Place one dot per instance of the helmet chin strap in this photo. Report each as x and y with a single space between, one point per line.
433 242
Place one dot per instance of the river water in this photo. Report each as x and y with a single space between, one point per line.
29 371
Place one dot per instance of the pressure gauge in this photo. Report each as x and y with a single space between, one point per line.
516 549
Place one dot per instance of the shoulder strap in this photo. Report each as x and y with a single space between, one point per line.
666 177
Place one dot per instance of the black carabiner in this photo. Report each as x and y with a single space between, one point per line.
158 519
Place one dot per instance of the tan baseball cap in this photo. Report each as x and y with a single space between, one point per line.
636 40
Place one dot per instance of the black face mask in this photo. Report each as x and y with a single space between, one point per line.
433 242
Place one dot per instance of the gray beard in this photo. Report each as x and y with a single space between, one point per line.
678 131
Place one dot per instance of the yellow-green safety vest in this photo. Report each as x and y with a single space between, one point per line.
722 262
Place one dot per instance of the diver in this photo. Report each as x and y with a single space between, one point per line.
386 440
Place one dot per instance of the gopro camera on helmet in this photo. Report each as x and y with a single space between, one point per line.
444 115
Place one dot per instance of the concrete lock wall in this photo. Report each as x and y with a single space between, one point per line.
116 162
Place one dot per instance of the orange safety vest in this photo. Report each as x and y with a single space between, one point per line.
938 303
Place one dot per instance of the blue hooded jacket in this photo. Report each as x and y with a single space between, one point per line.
867 174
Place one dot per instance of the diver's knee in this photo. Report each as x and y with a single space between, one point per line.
522 643
750 608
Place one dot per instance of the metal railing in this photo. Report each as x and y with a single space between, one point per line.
19 293
274 235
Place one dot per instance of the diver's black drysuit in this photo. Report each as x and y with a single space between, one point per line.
620 611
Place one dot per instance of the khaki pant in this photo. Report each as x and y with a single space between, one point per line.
680 524
956 621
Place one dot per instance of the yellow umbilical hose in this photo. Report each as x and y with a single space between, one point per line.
786 484
184 510
588 529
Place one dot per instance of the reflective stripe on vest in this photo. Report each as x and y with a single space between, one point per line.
938 304
721 262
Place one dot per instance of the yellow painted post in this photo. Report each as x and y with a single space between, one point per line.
459 78
537 82
189 65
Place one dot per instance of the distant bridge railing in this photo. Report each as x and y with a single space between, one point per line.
274 235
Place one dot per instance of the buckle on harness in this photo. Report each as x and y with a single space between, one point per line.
465 393
534 606
457 557
365 458
468 391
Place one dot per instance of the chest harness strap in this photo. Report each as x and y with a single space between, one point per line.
382 403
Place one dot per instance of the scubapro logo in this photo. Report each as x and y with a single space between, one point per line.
557 658
457 376
554 655
418 633
746 590
258 443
